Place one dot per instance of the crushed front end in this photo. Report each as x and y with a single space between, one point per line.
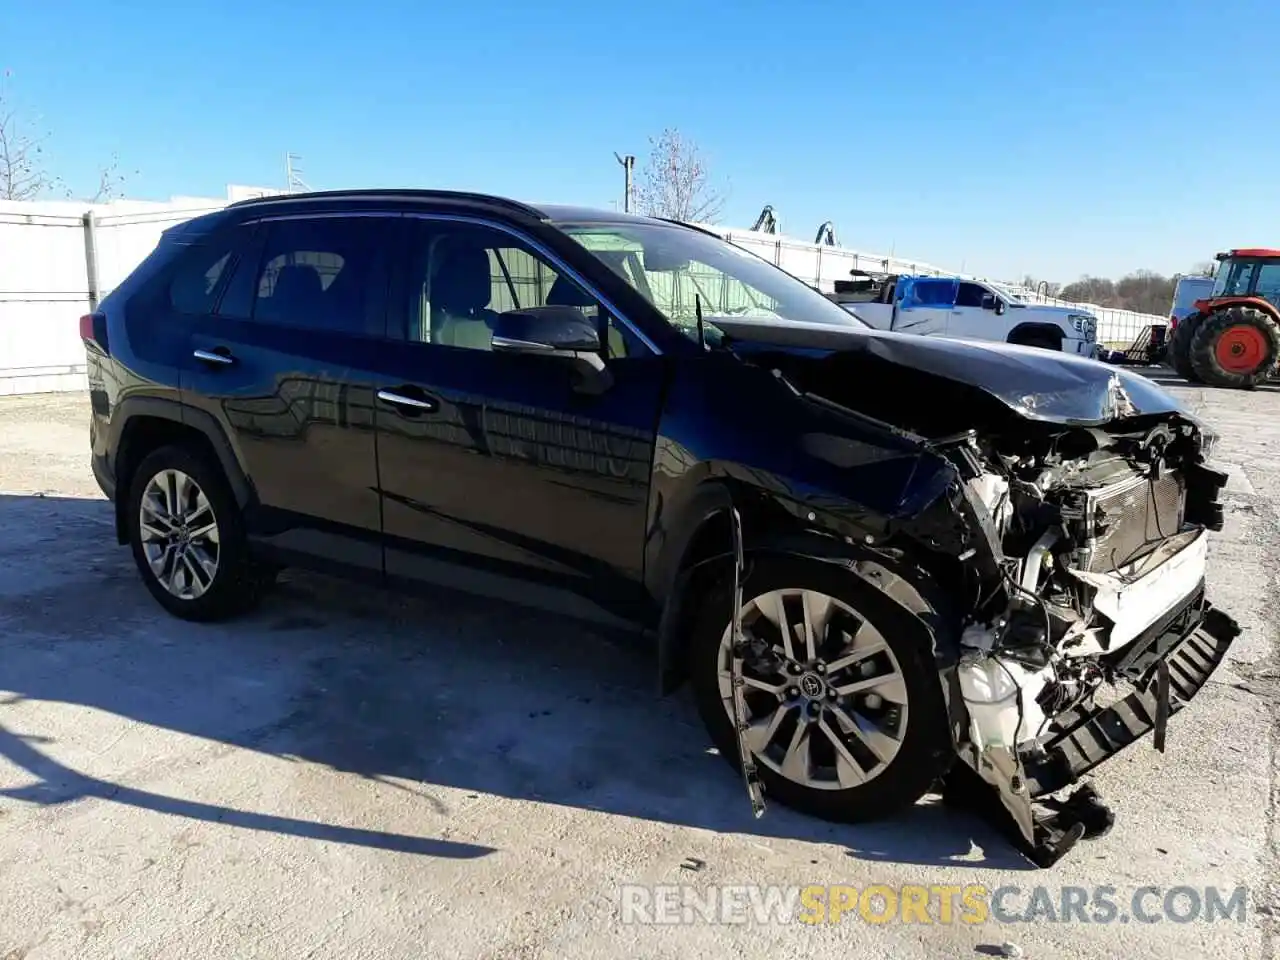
1095 628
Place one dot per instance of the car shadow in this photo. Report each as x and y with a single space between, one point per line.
421 693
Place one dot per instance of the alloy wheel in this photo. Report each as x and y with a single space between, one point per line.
179 534
826 698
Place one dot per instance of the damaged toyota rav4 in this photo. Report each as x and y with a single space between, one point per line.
885 564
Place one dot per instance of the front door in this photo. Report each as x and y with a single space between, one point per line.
496 474
285 363
974 316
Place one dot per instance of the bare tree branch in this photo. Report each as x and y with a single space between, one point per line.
675 183
110 180
24 173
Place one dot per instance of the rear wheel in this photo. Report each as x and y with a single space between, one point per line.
1235 347
1180 347
187 537
844 706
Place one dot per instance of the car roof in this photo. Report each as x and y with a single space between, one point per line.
568 213
539 211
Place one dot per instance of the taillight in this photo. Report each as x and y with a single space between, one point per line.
93 329
1173 322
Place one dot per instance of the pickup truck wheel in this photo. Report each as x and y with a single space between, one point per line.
1180 347
187 537
844 709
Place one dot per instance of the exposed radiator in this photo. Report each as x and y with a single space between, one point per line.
1129 519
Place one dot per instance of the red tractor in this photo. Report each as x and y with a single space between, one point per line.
1233 338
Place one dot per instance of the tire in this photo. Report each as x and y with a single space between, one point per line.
923 750
1235 347
219 578
1179 349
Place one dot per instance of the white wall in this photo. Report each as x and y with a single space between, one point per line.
44 287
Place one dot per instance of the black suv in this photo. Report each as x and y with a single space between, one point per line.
871 554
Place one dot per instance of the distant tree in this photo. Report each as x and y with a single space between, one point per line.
1087 289
1143 291
675 182
1046 287
24 173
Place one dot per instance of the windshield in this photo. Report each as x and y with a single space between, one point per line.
678 269
1234 278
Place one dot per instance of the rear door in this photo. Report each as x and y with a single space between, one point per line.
286 364
924 305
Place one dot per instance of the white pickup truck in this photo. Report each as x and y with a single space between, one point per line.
967 310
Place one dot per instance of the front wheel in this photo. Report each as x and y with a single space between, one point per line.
1179 351
844 707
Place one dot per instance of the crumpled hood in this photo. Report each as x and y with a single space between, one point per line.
1035 383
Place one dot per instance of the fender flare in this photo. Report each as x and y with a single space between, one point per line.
1037 327
133 408
890 575
1255 303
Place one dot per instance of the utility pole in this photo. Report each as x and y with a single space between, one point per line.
293 173
628 165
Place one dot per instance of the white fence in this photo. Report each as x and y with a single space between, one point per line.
45 281
48 251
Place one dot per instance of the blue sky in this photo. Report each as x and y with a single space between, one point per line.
1047 137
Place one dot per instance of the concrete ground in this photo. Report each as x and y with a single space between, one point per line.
349 773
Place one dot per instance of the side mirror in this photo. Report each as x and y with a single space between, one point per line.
1001 306
989 301
556 331
546 331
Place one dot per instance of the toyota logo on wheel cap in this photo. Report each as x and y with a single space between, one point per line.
811 686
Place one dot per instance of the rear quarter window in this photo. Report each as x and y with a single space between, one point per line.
195 283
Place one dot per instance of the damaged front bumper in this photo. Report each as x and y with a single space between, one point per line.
1167 665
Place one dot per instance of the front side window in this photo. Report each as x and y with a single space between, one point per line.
464 276
1234 278
681 271
970 295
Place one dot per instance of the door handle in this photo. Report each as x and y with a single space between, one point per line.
210 356
422 404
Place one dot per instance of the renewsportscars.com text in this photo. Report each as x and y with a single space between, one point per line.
932 904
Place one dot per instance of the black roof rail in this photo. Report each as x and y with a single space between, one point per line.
390 193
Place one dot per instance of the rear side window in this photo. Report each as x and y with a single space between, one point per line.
324 274
936 293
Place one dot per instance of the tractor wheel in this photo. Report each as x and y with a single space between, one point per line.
1235 347
1179 350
